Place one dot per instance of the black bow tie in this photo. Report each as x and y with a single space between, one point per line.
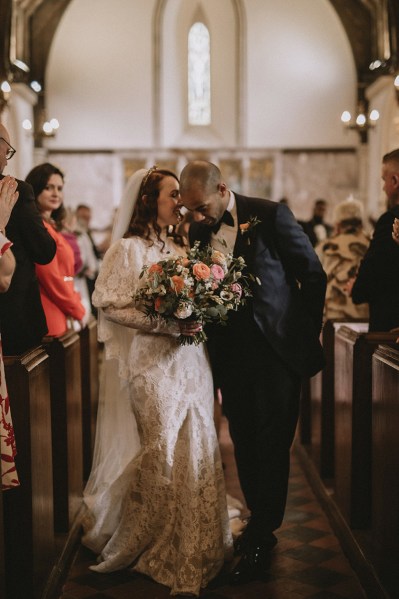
227 218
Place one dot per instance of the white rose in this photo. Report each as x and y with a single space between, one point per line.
227 296
219 258
183 310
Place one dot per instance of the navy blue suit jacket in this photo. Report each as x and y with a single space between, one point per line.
288 305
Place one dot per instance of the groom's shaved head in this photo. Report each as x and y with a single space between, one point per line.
200 174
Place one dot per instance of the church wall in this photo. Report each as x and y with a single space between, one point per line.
281 73
302 176
300 75
99 77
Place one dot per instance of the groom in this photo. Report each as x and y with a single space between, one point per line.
268 345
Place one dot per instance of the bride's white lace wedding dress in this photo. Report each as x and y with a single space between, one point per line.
161 507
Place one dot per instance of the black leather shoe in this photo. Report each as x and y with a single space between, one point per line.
253 565
240 543
247 539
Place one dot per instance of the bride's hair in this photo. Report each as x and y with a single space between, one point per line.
145 213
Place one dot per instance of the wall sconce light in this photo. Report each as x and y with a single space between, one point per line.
5 89
43 127
48 128
362 122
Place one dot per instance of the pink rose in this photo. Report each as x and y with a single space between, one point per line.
217 272
201 271
236 289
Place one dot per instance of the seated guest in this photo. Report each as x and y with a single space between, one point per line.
316 229
64 221
340 256
61 303
89 253
23 323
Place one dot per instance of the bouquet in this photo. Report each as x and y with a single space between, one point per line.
204 286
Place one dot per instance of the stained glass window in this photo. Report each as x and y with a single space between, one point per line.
199 75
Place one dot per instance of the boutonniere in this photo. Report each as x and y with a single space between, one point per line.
247 227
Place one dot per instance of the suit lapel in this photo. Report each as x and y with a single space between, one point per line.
243 246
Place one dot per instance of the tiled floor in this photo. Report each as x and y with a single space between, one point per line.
308 561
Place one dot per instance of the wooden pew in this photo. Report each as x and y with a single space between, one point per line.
322 404
28 509
89 372
353 388
66 423
385 461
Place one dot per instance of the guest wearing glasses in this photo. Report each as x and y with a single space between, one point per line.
23 323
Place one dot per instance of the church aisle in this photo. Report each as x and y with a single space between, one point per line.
308 560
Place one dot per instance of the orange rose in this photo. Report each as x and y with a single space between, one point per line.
178 284
158 303
201 271
185 262
244 227
155 268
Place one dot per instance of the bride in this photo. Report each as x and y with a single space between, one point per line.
155 498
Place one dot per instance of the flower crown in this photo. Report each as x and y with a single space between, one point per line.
146 177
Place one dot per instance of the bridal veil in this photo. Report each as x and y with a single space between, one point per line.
117 440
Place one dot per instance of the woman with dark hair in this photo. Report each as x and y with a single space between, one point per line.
155 498
61 303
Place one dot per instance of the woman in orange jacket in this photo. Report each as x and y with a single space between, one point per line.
60 300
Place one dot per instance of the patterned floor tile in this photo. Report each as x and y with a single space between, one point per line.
308 562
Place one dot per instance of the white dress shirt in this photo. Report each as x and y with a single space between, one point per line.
224 240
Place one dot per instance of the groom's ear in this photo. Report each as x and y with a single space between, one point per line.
222 188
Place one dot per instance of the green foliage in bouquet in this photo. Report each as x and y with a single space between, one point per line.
203 286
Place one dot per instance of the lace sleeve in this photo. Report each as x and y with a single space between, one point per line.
116 285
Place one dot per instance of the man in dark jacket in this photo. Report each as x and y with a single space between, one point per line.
316 228
377 281
259 358
23 323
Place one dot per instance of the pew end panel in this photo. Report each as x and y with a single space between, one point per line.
385 465
28 509
66 422
353 387
327 407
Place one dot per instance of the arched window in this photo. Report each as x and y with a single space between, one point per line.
199 75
